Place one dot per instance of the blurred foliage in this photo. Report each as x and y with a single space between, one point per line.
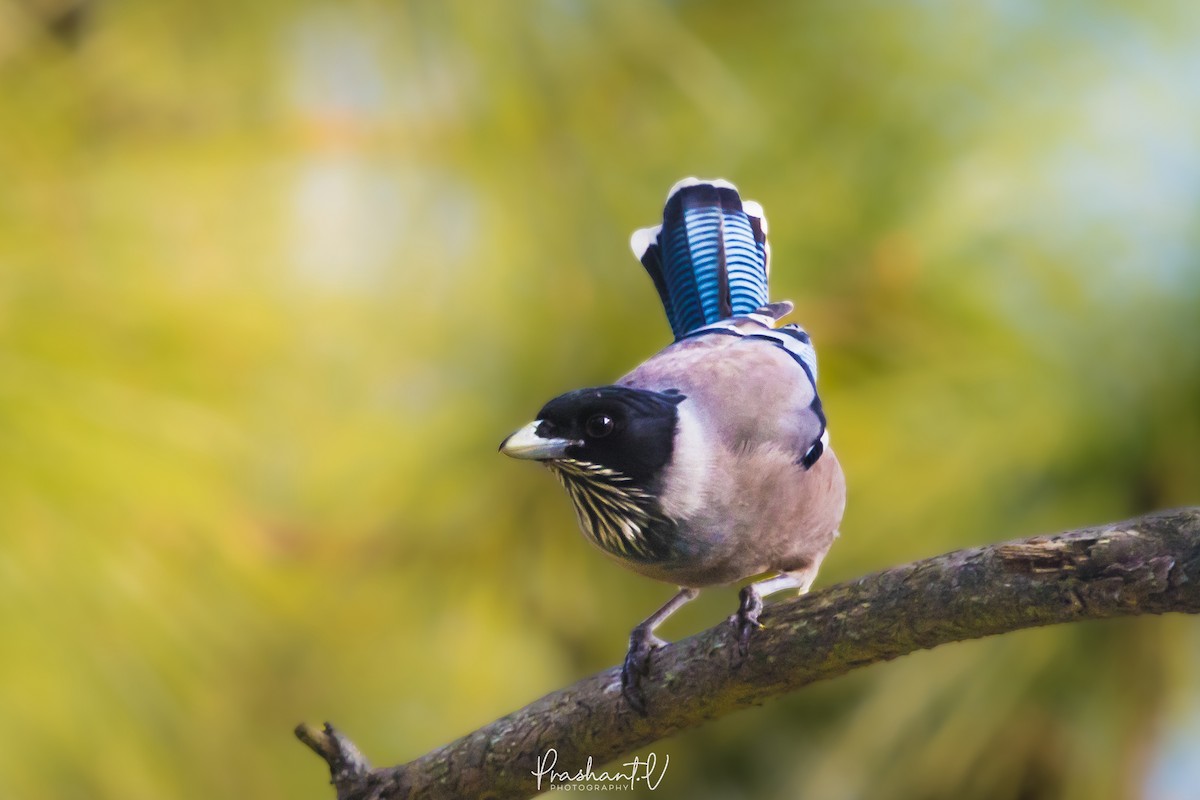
277 278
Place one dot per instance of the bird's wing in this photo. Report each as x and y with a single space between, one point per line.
750 384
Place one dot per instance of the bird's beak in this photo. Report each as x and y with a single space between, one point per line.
525 443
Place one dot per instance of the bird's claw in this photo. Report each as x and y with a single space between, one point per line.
637 666
746 619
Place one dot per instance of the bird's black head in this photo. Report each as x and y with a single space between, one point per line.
631 431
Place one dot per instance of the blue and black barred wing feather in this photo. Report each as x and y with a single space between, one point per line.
709 259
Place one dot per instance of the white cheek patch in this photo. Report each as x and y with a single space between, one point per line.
685 477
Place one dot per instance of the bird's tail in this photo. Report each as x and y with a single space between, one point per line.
709 259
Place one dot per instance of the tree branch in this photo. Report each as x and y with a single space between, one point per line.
1148 565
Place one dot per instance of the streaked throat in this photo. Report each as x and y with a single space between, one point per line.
616 515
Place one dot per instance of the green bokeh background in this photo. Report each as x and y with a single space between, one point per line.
277 277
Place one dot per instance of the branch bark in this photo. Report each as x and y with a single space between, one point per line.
1148 565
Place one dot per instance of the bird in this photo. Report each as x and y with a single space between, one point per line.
710 462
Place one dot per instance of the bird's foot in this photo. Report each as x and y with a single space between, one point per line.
746 618
637 666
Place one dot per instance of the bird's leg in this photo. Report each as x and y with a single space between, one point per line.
642 642
751 602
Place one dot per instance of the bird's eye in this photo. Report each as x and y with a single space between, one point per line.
599 426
